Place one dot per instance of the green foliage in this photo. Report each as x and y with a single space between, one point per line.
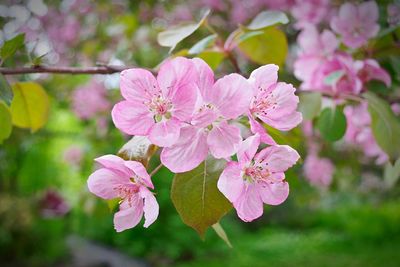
174 35
385 126
10 47
332 124
265 47
201 45
221 233
212 57
30 106
310 105
266 19
6 122
6 93
391 173
197 198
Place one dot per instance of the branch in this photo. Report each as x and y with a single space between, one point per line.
106 69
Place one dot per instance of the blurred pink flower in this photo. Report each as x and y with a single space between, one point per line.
359 132
52 205
370 70
318 171
257 178
356 23
157 108
393 11
310 12
129 181
90 100
73 155
396 108
209 130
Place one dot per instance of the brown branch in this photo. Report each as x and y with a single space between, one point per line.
106 69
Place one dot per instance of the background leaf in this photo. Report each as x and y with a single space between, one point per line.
310 105
196 197
266 19
221 233
11 46
332 124
212 57
202 44
139 148
30 105
6 93
269 47
5 122
385 126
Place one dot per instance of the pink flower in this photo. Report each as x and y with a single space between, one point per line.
157 108
273 102
356 23
318 171
209 130
370 70
73 155
129 181
90 100
310 12
257 178
359 133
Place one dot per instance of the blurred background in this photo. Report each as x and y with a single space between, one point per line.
342 212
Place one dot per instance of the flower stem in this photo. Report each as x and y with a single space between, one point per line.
156 169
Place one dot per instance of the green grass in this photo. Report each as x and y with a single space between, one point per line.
281 248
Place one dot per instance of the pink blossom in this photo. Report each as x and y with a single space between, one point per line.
359 132
370 70
257 178
393 11
73 155
273 102
157 108
318 171
396 108
128 181
310 12
356 23
90 100
52 205
209 130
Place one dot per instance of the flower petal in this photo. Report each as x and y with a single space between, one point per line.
103 181
150 208
184 102
277 158
205 76
165 133
231 95
188 152
115 163
231 183
274 193
224 140
129 214
264 77
248 149
140 171
138 85
249 205
132 118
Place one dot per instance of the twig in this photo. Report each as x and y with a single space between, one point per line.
107 69
234 62
156 169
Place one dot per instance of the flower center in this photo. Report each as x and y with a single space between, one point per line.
127 192
160 107
262 105
255 174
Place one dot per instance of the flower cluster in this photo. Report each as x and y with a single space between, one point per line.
191 115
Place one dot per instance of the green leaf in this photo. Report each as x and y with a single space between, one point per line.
202 44
11 46
310 105
212 57
30 105
384 124
196 197
332 124
269 47
391 173
266 19
5 122
333 77
221 233
6 93
174 35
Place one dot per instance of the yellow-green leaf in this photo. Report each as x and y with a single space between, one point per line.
221 233
30 106
5 122
212 57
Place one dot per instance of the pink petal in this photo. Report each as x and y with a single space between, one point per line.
256 127
274 193
224 140
205 76
231 95
368 11
165 133
188 153
150 208
103 181
184 102
138 85
248 149
249 205
329 41
132 118
128 216
231 183
277 158
204 117
264 76
140 171
373 71
114 163
287 122
348 13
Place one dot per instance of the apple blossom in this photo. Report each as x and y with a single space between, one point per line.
318 171
128 181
